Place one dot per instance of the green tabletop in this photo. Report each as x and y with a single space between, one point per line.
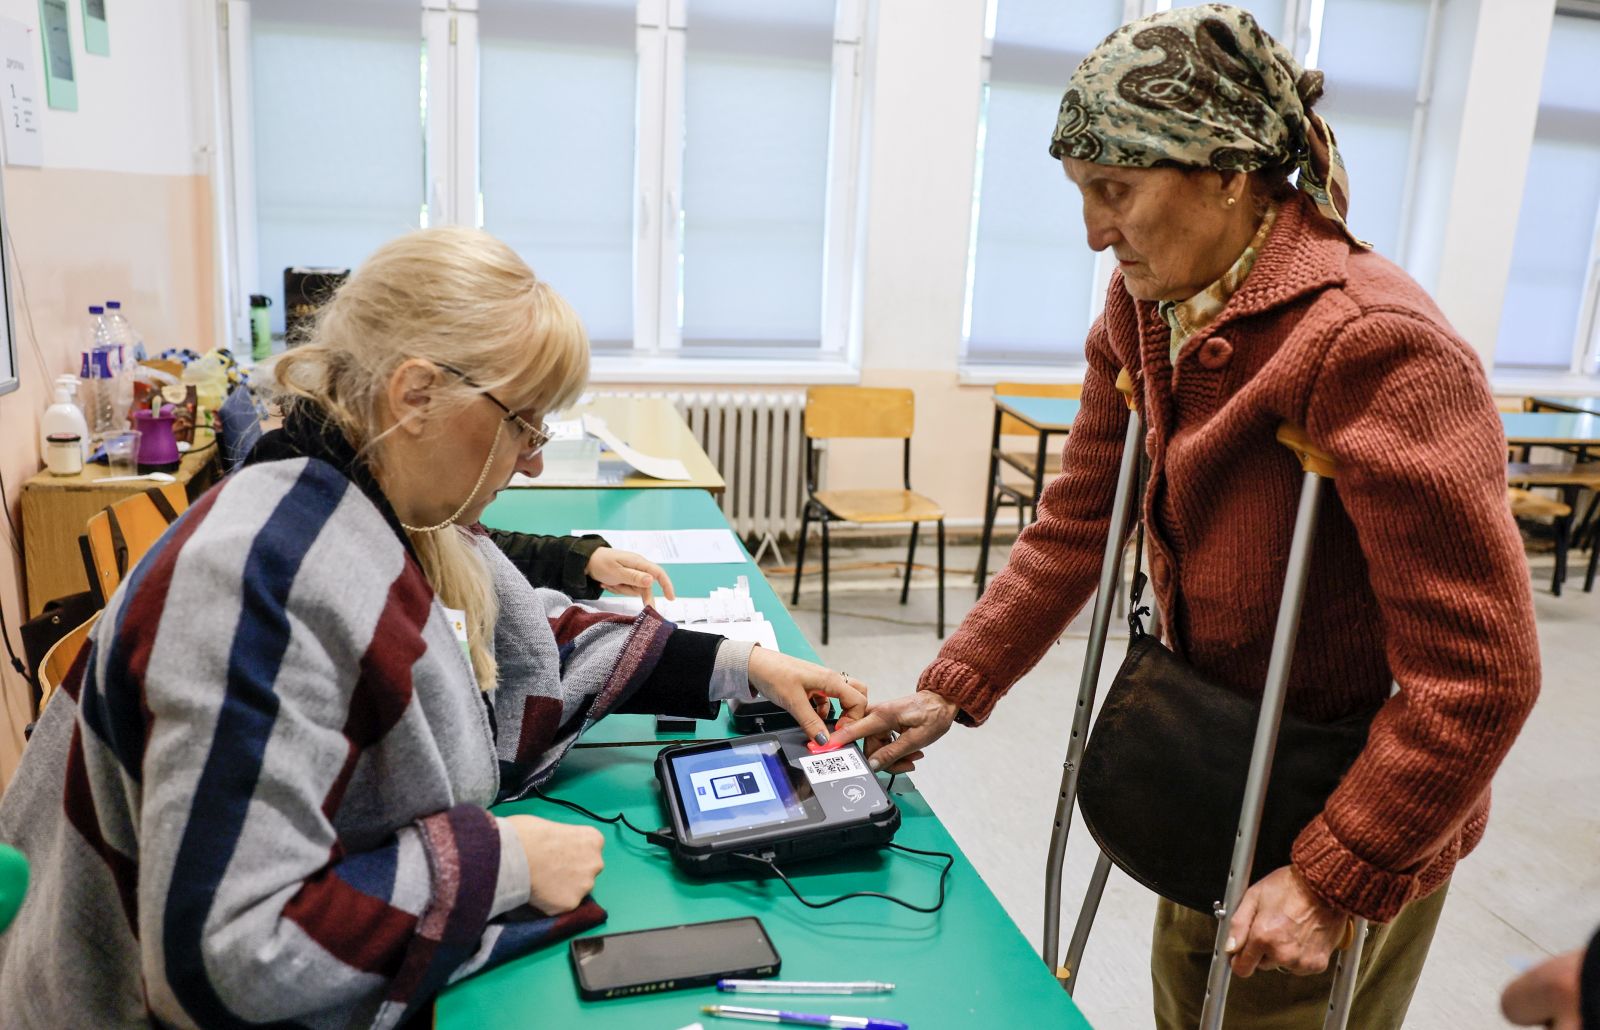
1050 414
1564 428
560 511
966 965
1581 405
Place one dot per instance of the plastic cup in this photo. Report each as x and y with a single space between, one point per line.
122 454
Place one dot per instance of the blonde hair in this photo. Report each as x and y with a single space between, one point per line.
456 297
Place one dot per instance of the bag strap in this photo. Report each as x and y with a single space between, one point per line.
1137 613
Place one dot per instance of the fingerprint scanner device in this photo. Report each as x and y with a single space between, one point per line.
767 796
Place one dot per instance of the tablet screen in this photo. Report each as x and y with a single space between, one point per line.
739 787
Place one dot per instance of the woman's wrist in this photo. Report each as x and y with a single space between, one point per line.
730 672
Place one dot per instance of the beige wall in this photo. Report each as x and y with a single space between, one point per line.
81 237
121 210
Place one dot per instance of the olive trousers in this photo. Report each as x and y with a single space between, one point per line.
1391 963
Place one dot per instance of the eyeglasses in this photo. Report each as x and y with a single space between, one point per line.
534 436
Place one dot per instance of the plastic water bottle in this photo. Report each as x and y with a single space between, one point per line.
99 372
123 333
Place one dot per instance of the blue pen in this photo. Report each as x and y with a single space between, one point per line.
801 1018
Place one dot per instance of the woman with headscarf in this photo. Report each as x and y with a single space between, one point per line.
1240 302
261 797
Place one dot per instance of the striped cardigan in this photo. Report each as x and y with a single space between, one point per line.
260 796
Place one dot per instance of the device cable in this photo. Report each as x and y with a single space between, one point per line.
944 875
664 839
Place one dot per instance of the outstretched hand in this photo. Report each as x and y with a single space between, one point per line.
623 572
804 688
919 719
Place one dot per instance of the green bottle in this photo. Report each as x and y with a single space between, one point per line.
13 883
260 327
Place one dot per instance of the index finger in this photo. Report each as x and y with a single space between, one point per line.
654 571
873 724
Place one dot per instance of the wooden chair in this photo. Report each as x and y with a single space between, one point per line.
1035 463
838 412
1569 479
59 659
117 537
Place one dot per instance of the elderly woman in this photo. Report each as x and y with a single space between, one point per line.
1240 302
262 796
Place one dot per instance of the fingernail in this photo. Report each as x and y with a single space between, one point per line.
822 738
1232 944
873 764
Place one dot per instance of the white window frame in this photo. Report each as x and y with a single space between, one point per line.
1582 376
450 144
1302 20
449 30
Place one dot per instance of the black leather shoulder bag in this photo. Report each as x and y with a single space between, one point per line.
1164 772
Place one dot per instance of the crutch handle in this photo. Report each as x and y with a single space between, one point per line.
1312 458
1125 387
1349 937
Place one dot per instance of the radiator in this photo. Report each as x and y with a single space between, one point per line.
754 441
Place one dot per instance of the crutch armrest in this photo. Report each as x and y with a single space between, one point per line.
1311 457
1125 387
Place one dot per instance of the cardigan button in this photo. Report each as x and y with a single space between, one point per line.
1160 571
1215 352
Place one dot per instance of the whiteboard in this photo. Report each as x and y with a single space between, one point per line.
8 335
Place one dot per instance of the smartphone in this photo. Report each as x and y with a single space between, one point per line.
670 958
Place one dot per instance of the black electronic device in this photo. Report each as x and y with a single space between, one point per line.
670 958
758 715
768 798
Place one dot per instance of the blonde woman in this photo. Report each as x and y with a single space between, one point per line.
262 796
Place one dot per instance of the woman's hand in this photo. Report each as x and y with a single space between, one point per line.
1547 994
803 689
1282 925
920 718
623 572
563 862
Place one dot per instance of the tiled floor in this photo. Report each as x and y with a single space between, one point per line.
1531 889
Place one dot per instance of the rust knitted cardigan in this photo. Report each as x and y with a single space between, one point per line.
1417 571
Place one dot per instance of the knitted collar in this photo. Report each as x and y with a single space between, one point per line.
307 433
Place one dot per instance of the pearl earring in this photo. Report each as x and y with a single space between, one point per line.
1232 201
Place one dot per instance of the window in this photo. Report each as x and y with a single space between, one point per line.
563 71
758 91
1371 53
1548 320
1029 269
337 133
1032 288
683 171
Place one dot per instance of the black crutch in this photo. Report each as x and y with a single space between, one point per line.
1317 466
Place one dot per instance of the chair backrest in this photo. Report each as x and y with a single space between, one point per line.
871 412
1010 426
58 660
1513 404
119 536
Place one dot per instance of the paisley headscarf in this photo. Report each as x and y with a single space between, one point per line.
1202 87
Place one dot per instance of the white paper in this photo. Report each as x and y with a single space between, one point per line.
18 95
675 546
656 468
726 611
